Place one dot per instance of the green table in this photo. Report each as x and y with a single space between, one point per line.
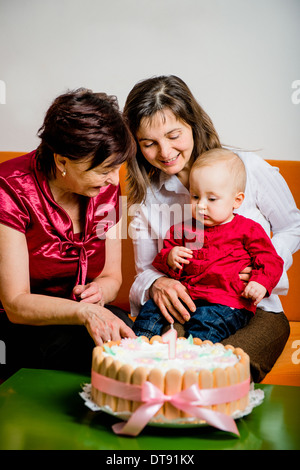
42 409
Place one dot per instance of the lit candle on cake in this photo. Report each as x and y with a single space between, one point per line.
170 337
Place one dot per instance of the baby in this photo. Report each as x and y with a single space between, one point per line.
208 252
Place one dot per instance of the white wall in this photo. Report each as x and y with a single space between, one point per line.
239 57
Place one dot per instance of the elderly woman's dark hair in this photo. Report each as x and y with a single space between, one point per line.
155 95
82 125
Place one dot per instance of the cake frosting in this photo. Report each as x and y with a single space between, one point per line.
189 356
197 363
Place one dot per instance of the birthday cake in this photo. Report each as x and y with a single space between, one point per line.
210 367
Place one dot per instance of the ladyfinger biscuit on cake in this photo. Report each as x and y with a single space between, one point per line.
220 380
156 378
173 384
197 341
144 338
96 361
112 373
109 344
190 377
205 380
104 366
138 377
124 375
244 359
242 403
96 356
232 379
156 338
243 369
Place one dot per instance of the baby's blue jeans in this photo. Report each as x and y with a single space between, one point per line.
214 322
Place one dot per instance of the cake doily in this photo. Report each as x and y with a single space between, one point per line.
256 397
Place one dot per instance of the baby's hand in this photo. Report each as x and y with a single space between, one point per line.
179 255
254 291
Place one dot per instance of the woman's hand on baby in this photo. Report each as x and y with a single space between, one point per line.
245 275
91 293
254 291
168 294
178 256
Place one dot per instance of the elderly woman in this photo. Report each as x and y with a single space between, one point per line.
60 261
172 130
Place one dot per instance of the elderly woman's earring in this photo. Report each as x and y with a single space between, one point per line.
63 173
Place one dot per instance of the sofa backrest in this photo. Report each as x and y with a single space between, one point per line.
290 170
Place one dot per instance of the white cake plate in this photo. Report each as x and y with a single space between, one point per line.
256 397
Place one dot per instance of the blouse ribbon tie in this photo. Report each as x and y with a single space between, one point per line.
77 249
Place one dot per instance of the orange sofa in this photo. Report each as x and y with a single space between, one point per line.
286 371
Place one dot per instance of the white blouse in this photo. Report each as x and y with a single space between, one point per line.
268 201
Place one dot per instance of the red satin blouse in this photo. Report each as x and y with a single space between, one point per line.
58 258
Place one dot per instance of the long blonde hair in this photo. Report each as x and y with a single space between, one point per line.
145 100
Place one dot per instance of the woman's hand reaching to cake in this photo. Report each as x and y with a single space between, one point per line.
103 325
